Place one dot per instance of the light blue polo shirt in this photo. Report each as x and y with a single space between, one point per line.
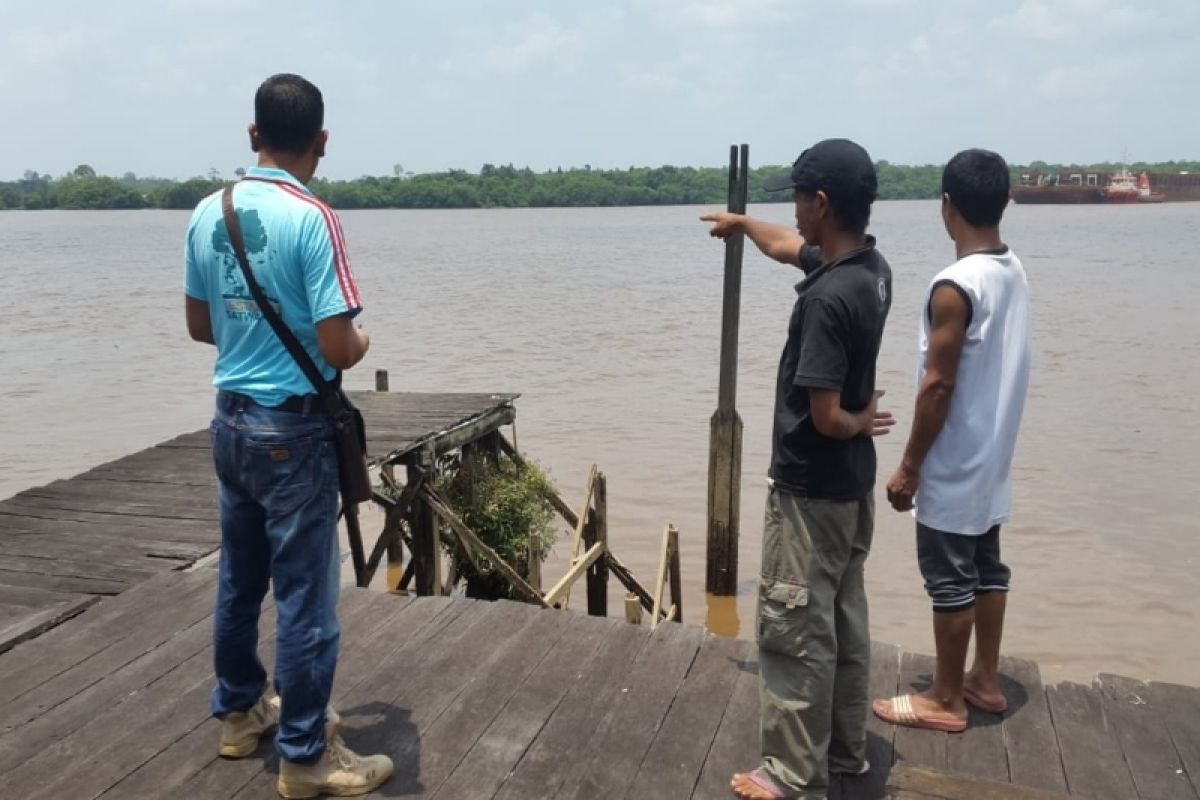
296 249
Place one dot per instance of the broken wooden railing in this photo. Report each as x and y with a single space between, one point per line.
419 517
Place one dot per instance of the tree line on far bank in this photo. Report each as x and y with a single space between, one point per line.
492 187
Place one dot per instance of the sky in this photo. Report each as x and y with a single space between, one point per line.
166 88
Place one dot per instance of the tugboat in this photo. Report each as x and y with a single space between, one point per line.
1122 188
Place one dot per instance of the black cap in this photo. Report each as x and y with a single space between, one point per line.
838 167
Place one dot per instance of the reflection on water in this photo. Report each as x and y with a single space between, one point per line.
608 320
722 616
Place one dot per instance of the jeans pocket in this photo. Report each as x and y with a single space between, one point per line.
285 471
782 611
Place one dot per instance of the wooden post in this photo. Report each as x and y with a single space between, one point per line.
395 551
426 548
633 609
725 427
675 577
354 535
597 577
534 575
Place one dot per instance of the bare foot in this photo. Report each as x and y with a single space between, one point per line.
984 693
755 786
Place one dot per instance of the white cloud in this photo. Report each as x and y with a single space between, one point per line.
537 41
1061 20
725 14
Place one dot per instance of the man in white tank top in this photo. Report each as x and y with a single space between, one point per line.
957 465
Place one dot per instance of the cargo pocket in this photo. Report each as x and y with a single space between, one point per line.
782 610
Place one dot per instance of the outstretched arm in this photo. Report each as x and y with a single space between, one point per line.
949 314
775 241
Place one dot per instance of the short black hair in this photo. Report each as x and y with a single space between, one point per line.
853 213
289 113
977 183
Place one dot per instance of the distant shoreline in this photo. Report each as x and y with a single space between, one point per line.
492 187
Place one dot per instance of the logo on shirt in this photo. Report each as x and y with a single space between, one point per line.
239 303
883 294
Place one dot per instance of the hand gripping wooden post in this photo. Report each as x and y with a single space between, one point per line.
725 427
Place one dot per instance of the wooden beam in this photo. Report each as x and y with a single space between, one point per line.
674 574
919 783
661 577
354 536
577 569
597 576
472 542
725 427
580 521
426 547
625 576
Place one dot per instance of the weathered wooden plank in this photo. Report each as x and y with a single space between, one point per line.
103 550
1032 746
918 783
387 712
370 632
672 766
625 733
737 744
29 597
884 683
59 584
18 514
919 747
1180 709
1142 733
60 706
980 749
563 737
78 568
201 774
459 726
497 751
66 500
36 622
1091 755
102 631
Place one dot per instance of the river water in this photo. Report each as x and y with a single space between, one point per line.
607 322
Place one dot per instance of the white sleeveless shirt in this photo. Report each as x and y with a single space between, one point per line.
966 480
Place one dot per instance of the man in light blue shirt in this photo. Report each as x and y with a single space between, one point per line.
273 444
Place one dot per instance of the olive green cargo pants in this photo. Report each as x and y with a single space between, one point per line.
813 639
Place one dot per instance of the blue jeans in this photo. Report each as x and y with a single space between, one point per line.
279 500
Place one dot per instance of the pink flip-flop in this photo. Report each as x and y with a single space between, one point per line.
984 705
759 779
900 711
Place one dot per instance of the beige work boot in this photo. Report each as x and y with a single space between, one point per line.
241 730
339 771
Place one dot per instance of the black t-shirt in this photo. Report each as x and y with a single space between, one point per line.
833 343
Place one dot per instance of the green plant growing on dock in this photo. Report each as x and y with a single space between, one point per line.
506 505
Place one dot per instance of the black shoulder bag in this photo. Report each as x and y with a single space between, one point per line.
348 430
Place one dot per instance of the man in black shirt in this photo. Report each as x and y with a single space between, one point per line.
814 643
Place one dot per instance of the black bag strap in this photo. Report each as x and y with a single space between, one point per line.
327 390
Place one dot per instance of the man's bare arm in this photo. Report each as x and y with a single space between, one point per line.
949 313
199 323
830 419
778 242
342 344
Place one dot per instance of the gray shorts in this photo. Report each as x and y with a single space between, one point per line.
957 567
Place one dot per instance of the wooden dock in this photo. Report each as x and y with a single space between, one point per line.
105 669
505 701
64 545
